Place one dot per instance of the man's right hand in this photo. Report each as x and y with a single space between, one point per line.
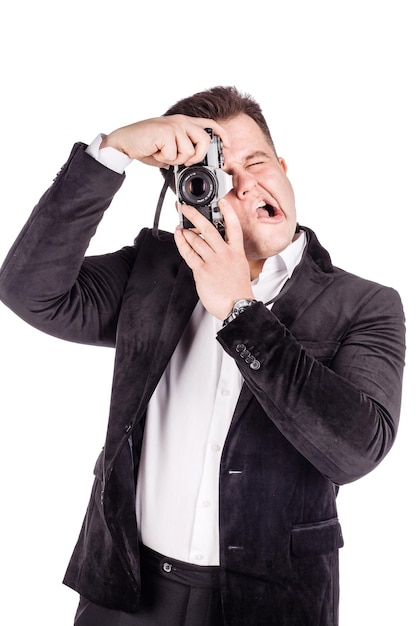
167 140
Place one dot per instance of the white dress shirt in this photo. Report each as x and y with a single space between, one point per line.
187 423
188 419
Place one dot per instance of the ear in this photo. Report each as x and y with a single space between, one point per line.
282 163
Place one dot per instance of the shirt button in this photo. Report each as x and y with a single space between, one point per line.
215 447
199 557
206 504
225 393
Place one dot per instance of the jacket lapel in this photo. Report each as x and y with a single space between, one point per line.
313 274
181 304
159 300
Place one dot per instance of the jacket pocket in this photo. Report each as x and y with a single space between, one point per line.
317 538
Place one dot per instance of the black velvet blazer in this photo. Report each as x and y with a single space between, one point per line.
321 409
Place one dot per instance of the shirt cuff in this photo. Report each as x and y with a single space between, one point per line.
110 157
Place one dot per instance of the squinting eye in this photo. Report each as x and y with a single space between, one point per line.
257 163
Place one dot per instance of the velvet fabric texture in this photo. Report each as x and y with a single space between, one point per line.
321 410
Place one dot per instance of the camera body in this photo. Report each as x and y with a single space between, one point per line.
201 185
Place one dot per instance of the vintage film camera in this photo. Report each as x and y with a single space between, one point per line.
201 185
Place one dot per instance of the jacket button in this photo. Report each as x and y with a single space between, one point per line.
128 428
255 365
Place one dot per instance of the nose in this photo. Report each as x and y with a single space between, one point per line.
243 182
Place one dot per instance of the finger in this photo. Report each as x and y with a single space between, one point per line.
199 244
203 226
192 147
234 235
185 148
166 152
201 139
185 143
220 132
173 145
188 253
216 127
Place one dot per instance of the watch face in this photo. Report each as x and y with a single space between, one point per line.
242 304
238 307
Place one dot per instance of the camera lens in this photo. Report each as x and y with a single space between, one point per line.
197 186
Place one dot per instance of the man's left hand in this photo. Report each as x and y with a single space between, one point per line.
220 267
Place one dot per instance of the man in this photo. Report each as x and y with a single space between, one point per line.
252 377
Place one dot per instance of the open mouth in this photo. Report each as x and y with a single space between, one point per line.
264 209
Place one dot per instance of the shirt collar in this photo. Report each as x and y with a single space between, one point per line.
287 260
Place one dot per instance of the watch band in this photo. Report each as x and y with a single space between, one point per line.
238 307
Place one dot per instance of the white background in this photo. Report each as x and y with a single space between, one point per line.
337 82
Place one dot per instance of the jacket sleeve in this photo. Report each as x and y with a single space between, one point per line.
341 413
45 278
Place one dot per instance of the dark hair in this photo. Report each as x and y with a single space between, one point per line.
222 103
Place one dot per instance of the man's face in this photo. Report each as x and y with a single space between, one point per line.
262 195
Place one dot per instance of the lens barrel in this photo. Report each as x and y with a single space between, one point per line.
197 186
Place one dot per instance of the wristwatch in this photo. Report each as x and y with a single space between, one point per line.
238 308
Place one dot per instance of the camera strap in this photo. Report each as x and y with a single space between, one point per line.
167 182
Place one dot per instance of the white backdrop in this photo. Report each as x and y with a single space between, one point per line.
337 85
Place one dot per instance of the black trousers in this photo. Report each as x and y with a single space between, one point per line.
174 593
